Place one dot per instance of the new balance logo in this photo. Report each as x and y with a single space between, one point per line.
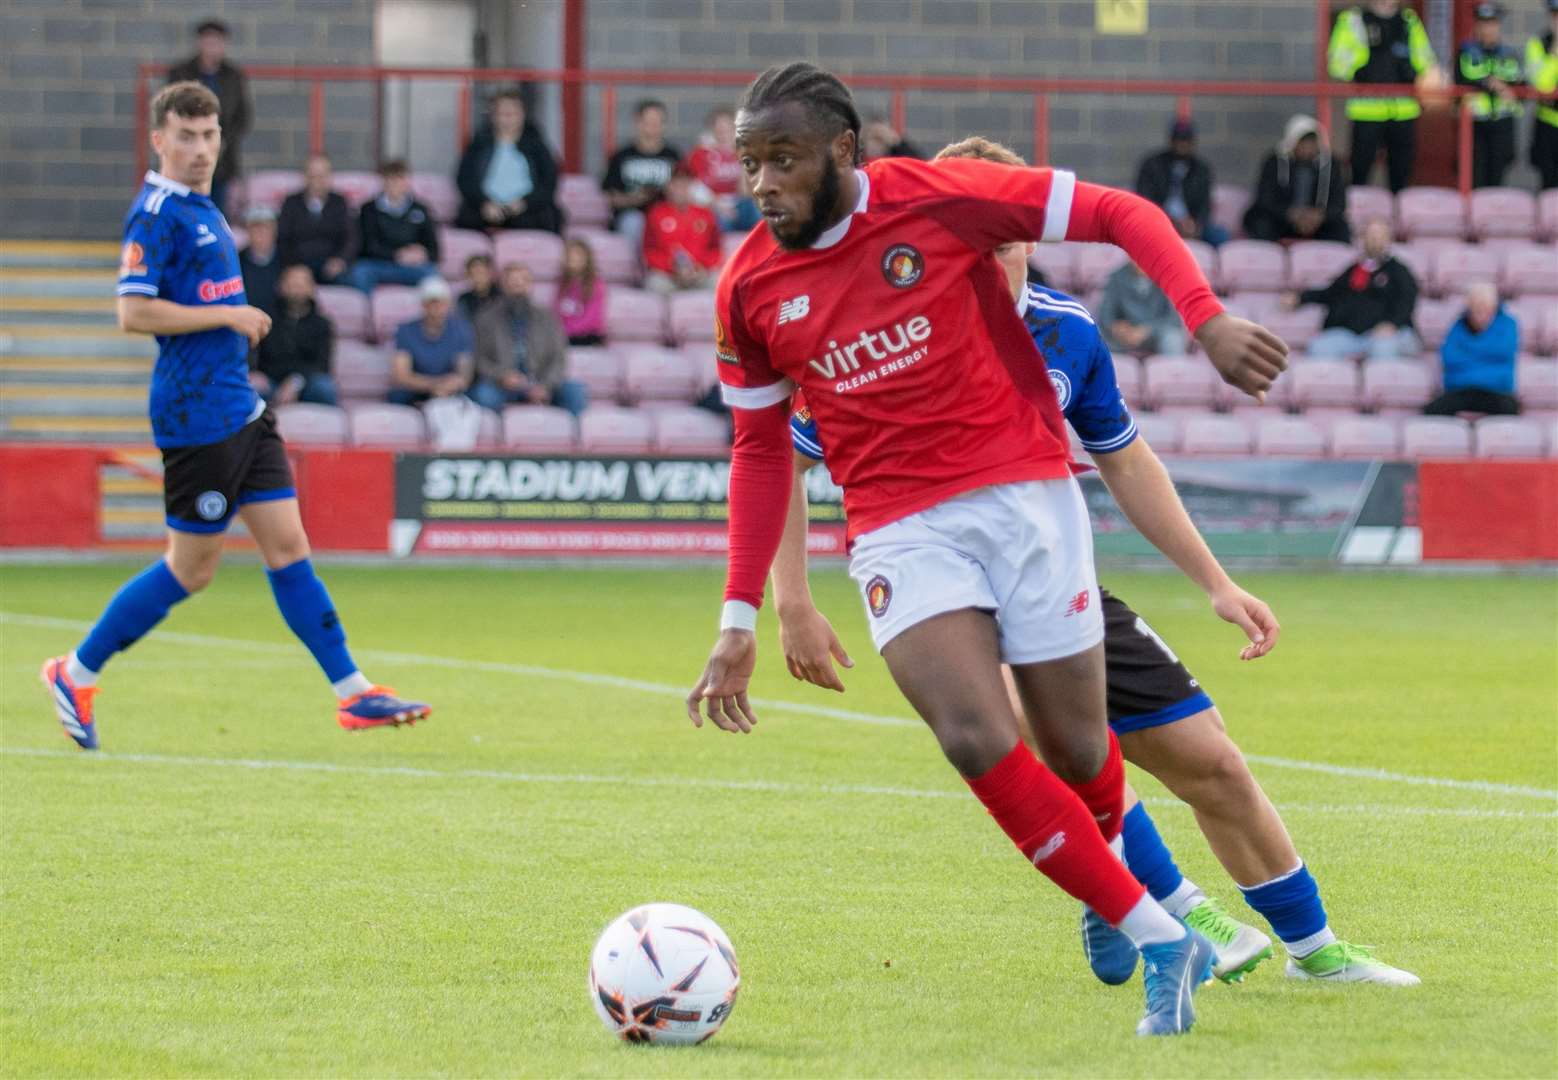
794 310
1049 847
1078 603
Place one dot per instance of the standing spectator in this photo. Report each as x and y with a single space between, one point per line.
1136 317
1369 305
681 241
521 351
257 262
315 228
1301 193
432 354
483 287
637 174
1542 75
1180 182
717 167
398 242
1492 66
1381 43
1479 358
294 358
223 78
581 296
880 139
507 176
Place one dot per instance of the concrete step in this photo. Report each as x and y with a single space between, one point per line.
38 339
59 254
16 401
78 428
18 284
27 313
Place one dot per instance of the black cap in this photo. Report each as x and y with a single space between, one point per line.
1489 12
212 26
1182 130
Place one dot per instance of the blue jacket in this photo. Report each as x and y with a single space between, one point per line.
1484 361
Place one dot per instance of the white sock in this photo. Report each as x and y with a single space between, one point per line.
78 672
1183 900
1148 924
1304 946
1117 845
354 684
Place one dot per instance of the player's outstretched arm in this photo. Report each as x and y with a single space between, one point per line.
149 315
807 638
1141 486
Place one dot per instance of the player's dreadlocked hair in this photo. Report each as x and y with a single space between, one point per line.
825 97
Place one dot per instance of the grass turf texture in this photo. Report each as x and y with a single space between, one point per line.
171 915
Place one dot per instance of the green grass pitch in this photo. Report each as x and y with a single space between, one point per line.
234 886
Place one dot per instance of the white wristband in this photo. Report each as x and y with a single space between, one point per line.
738 615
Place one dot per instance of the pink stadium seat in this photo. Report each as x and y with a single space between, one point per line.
1536 383
691 315
700 359
1510 437
362 370
1313 264
1430 211
539 429
346 308
544 294
1257 305
1365 437
1398 384
654 373
1435 437
582 200
1433 319
1458 266
268 187
1057 262
393 305
1502 211
605 429
1094 263
541 251
1547 215
1251 266
1297 327
1418 258
440 195
1229 202
728 243
357 186
1209 433
1530 269
1177 381
600 370
387 425
455 246
1205 256
1163 433
1127 373
1325 384
616 258
1289 436
690 430
634 315
1538 319
312 425
1364 204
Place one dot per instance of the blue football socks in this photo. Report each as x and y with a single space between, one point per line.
306 606
1291 904
1147 857
140 604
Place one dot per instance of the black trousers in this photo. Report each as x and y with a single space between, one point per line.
1262 224
1398 138
1492 150
1471 399
1544 152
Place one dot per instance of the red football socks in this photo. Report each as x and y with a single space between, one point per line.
1104 794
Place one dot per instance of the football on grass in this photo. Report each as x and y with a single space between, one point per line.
664 973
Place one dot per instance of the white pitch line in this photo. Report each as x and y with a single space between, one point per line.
103 759
589 678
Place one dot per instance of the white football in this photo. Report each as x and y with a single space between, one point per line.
664 973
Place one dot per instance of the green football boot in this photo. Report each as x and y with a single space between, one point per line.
1239 947
1341 962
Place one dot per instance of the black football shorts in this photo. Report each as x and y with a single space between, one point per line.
1147 684
202 486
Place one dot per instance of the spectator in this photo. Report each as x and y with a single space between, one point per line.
223 78
1136 317
1180 182
507 176
315 227
294 358
257 262
399 242
880 139
1479 358
717 167
1369 305
1492 66
1301 193
1542 75
637 174
681 241
581 296
520 352
432 354
483 287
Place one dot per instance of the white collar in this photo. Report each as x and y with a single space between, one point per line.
1022 302
156 179
836 233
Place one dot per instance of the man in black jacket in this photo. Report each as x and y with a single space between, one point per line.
211 67
294 359
397 240
1302 190
507 176
1369 305
258 261
1180 182
315 227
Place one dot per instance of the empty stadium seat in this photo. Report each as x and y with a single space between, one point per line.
1251 266
1229 202
1501 211
1297 327
1208 433
268 187
439 194
1127 373
1313 264
1547 215
543 294
358 186
1094 263
599 369
690 430
690 315
1257 305
1289 436
312 425
1510 437
1530 269
455 246
1418 258
1536 383
654 373
1433 319
1178 381
582 200
1205 256
1435 436
700 359
346 308
1430 211
1364 204
634 315
1397 385
606 429
1365 437
391 306
1538 319
1057 262
541 252
540 429
1162 433
728 243
361 370
387 425
1458 265
616 259
1324 384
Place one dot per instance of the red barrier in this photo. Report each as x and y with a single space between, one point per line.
49 497
347 497
1504 511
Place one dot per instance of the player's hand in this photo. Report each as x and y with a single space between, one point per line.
251 322
1250 614
1245 354
722 689
810 647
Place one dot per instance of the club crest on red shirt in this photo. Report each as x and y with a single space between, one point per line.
903 265
879 594
722 348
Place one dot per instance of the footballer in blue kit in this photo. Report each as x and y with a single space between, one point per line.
222 456
1165 721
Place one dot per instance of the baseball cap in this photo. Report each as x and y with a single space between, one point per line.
212 26
260 215
1182 129
1487 12
434 288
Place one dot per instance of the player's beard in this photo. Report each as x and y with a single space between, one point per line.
823 202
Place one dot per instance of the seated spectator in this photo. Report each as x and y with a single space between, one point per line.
717 169
637 173
681 241
1479 358
1136 317
258 262
483 282
880 139
1302 190
293 362
398 240
507 176
315 228
1180 182
521 352
432 354
581 296
1368 307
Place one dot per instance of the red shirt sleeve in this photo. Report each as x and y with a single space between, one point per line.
708 240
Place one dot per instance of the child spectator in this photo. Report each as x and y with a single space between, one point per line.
681 241
581 296
483 282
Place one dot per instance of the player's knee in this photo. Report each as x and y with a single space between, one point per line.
1223 776
970 742
1076 761
286 551
194 573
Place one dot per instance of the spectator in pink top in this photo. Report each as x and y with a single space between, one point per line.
716 167
581 296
